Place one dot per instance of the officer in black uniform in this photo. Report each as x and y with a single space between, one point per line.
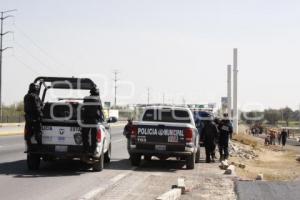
127 131
33 115
226 130
210 135
92 114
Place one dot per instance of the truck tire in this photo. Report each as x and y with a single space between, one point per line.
107 155
198 153
33 161
147 158
190 161
135 159
99 164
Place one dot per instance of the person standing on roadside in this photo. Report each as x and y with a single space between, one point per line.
284 135
226 130
279 138
273 137
210 135
33 115
127 131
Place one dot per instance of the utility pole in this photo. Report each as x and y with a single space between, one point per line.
235 91
148 96
3 17
163 98
229 90
115 80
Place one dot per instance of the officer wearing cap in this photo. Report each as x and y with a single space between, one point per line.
92 114
33 114
226 130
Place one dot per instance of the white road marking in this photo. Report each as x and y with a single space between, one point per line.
118 177
91 194
12 146
116 141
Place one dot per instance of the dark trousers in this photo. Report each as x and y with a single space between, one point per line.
223 148
283 141
86 132
210 152
33 128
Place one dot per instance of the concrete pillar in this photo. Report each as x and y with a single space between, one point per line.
235 91
229 91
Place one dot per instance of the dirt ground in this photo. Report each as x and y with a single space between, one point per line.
273 162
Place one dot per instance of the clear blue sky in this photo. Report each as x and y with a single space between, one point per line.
180 48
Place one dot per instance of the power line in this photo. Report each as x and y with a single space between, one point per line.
36 58
38 47
3 17
26 65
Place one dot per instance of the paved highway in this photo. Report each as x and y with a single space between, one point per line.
59 180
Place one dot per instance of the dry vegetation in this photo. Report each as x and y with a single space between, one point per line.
272 161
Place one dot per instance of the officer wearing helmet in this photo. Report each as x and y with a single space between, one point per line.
33 115
92 114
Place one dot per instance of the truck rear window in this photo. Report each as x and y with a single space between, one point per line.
167 115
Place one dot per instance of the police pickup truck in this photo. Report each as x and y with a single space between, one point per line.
62 124
165 132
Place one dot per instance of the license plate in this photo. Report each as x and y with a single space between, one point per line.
160 147
61 148
173 139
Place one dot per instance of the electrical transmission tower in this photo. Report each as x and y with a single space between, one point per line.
3 17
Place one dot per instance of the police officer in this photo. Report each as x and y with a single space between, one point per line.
92 114
33 115
127 131
210 134
226 130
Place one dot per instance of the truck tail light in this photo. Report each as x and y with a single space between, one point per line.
188 135
99 135
133 134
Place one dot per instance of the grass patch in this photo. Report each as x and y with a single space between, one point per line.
245 139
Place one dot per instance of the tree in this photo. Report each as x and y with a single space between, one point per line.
287 114
272 116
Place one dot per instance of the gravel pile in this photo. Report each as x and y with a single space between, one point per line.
237 151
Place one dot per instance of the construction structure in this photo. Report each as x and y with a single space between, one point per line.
235 116
229 88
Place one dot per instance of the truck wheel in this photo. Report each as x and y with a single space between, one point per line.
198 155
135 159
33 161
107 155
190 161
147 158
99 164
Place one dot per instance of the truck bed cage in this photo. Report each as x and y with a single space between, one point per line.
65 82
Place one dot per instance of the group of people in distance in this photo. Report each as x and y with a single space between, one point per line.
215 132
281 136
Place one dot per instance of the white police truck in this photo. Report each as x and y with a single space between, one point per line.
62 124
165 132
